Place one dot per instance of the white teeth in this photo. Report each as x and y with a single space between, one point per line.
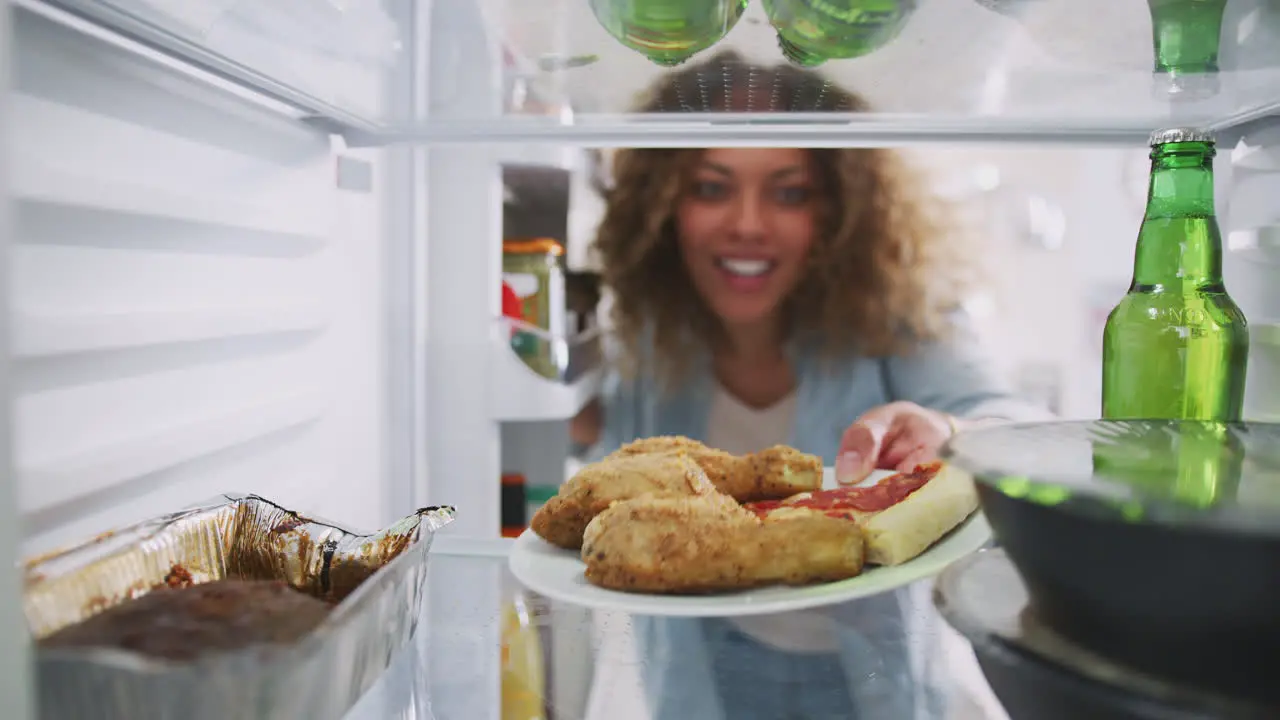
746 268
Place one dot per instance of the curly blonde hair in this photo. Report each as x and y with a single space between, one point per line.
883 272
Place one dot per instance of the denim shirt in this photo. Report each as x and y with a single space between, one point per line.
952 376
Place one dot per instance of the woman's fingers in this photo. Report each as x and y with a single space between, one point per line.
913 435
896 436
920 456
860 446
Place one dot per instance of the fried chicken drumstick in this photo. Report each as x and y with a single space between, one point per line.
772 474
671 467
563 518
709 543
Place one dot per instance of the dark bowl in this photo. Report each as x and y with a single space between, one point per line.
1187 593
1039 675
1031 688
1189 604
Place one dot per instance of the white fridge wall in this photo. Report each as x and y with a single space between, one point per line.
197 305
15 668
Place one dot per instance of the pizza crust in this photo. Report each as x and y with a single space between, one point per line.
907 529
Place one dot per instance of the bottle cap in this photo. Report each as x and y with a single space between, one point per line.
1182 134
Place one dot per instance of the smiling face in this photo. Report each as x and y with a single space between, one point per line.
745 226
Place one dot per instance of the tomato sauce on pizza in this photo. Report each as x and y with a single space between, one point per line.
850 502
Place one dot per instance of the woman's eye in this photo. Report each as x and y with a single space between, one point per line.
793 195
710 189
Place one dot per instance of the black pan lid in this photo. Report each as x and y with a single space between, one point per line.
985 600
1217 475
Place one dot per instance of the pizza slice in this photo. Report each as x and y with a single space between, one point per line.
901 516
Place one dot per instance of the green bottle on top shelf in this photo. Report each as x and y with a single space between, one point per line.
811 32
1177 345
1185 35
668 32
1009 8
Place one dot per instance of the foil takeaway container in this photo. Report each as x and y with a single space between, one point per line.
376 580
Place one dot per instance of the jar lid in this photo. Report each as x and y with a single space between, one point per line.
533 246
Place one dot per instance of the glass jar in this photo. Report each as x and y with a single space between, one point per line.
534 270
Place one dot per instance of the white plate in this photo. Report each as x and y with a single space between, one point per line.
558 574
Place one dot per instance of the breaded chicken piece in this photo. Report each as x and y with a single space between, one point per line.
563 518
709 543
658 444
770 474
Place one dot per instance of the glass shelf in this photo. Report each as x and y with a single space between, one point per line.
1041 70
514 71
579 663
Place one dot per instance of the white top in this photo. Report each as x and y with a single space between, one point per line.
739 429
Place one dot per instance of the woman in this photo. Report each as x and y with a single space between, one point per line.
783 296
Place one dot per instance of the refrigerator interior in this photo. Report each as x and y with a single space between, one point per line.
14 666
203 293
260 250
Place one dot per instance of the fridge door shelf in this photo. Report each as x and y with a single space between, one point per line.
522 393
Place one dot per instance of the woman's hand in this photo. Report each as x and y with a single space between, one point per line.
897 436
584 428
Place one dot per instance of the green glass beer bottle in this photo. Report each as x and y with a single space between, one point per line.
811 32
1009 8
1196 463
1185 35
668 32
1176 346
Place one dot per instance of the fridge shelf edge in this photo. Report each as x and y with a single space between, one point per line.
101 21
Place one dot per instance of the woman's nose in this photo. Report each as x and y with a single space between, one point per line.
749 222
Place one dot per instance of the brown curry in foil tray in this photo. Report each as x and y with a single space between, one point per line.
233 575
180 623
